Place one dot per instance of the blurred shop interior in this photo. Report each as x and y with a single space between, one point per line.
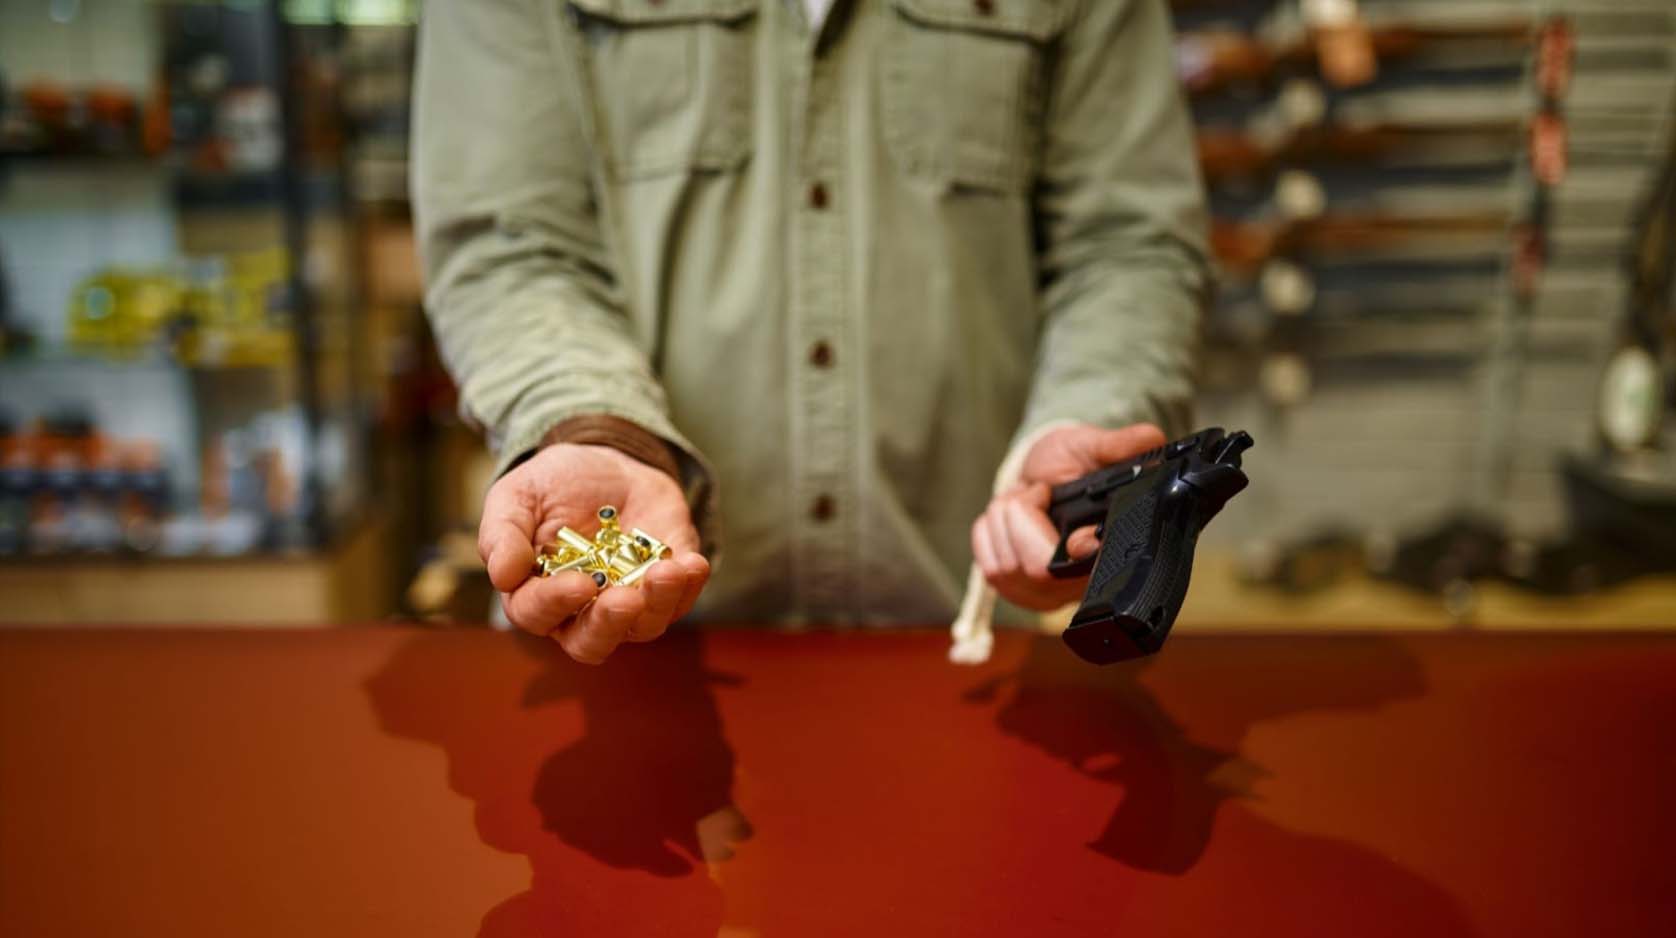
1444 231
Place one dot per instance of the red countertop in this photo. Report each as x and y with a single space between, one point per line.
389 781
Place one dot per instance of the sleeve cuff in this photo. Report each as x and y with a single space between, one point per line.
625 436
654 442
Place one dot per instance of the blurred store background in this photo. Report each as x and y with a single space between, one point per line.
1445 229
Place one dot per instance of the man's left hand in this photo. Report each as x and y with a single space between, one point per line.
1013 540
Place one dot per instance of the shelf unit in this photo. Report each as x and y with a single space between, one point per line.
145 219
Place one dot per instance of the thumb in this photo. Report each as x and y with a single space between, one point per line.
505 537
1103 447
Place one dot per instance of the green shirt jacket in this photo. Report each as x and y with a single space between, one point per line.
839 271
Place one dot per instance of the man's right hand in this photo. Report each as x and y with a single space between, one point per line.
564 485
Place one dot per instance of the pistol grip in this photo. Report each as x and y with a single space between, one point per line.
1140 579
1150 513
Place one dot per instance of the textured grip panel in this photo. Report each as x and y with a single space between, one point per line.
1151 522
1120 544
1160 597
1140 580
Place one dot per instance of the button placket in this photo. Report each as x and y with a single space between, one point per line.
821 568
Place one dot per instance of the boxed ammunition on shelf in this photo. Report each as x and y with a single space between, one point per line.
227 311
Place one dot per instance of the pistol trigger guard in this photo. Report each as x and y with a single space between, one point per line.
1063 567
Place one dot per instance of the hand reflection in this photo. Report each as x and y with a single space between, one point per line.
625 763
650 786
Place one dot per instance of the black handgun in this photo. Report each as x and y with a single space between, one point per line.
1149 511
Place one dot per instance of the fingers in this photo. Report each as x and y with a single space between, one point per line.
589 623
1013 538
982 553
541 604
1000 541
1109 446
1012 543
1032 538
684 539
664 585
1037 495
697 568
505 538
671 587
1078 449
558 487
597 631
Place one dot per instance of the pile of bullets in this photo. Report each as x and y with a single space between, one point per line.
611 557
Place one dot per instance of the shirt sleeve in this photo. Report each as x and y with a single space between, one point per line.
1121 227
520 288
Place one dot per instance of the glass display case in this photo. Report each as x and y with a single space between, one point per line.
183 355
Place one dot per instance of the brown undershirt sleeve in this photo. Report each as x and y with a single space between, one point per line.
622 435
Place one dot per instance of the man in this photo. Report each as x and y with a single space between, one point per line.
791 277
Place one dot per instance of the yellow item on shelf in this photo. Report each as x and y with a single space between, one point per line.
233 316
120 308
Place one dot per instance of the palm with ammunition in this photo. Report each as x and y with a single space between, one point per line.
563 486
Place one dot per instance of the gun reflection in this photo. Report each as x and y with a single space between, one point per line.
1108 724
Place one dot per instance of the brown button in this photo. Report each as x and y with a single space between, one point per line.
820 354
824 508
817 195
984 7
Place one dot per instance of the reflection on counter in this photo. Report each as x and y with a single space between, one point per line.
751 783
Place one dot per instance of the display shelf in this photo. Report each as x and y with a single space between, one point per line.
179 276
71 356
344 582
76 162
191 188
198 190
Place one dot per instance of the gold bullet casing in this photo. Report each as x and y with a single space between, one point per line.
575 541
650 544
634 576
622 558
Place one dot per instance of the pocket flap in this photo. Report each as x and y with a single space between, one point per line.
1036 20
651 12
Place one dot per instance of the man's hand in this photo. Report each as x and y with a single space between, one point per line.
1013 540
564 485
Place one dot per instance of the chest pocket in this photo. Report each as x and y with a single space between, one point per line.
963 88
670 82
